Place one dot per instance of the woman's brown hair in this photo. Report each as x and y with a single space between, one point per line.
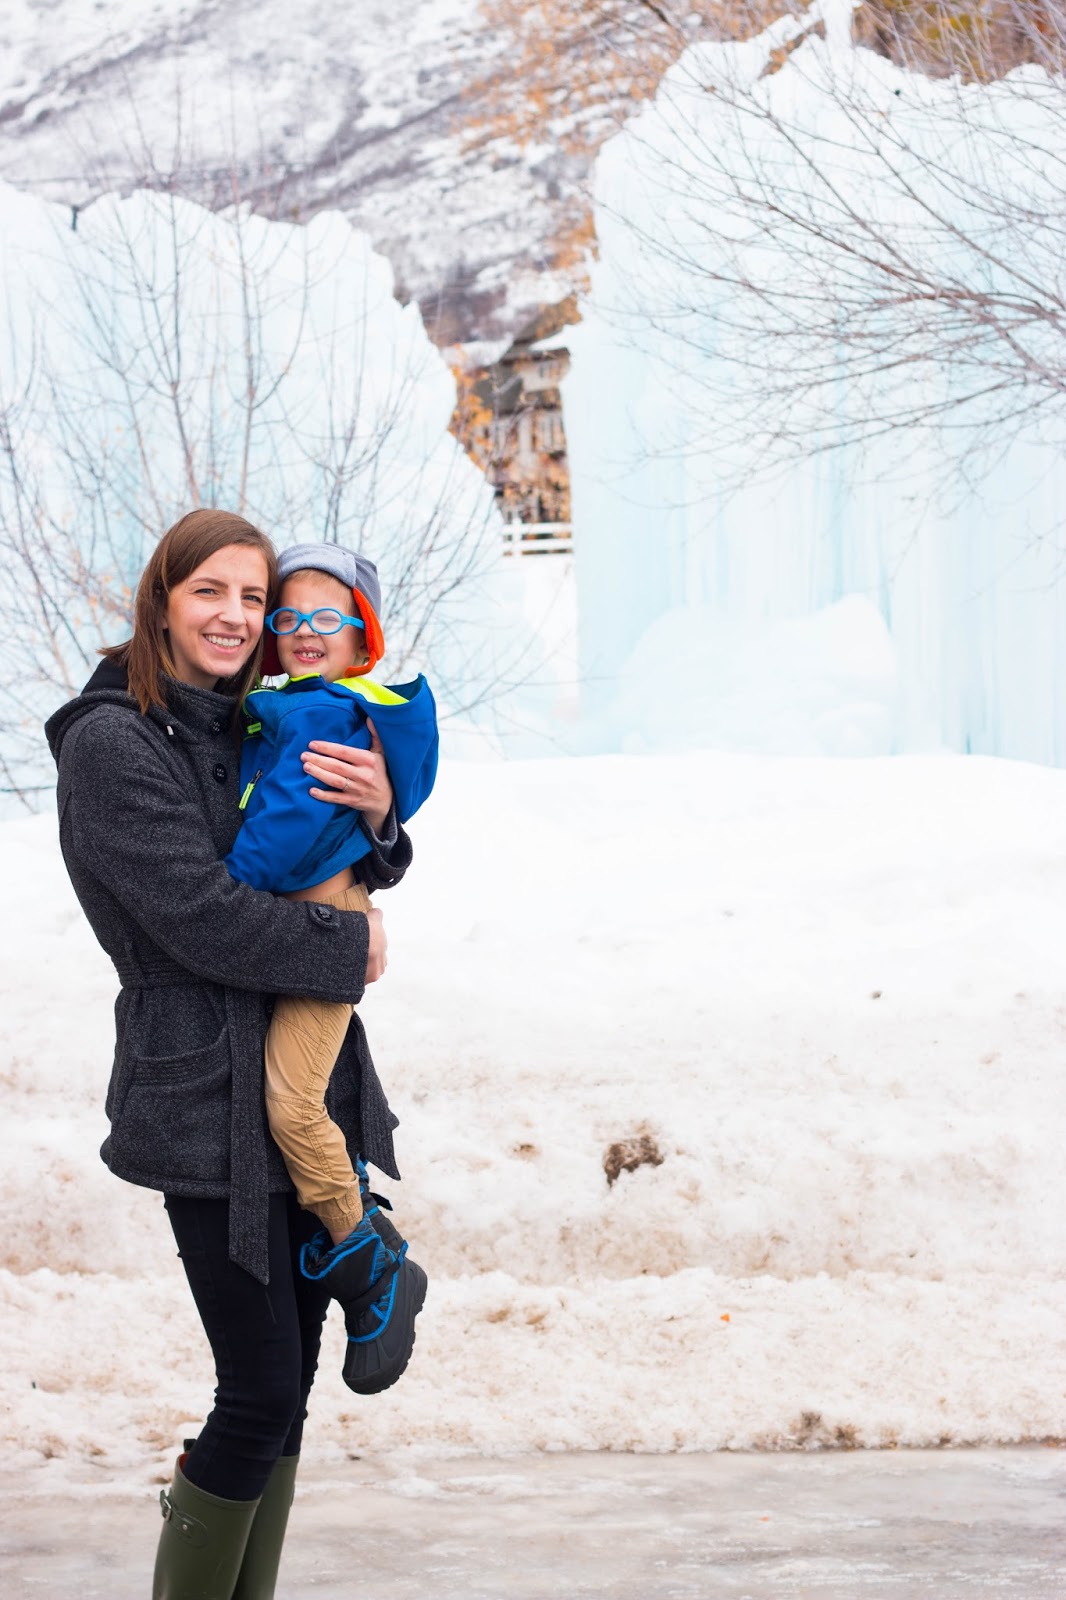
184 547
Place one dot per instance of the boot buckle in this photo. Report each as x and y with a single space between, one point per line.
190 1528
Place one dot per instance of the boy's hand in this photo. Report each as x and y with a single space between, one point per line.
356 778
377 955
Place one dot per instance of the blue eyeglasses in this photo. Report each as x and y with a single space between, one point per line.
323 620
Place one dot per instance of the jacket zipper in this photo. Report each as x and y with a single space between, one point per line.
247 795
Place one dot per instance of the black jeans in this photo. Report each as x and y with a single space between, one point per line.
264 1340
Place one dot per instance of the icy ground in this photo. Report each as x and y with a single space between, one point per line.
830 995
902 1526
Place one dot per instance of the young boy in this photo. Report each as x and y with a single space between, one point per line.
328 638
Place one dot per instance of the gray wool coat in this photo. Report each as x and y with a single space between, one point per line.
147 811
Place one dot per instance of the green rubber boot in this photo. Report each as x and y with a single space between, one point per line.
202 1544
262 1554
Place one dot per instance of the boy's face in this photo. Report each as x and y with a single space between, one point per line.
327 653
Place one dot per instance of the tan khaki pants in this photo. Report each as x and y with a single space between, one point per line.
302 1046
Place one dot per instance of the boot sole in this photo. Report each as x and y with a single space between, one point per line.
369 1368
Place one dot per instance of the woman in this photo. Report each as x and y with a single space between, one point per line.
148 763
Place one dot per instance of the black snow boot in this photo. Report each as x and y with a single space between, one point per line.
381 1292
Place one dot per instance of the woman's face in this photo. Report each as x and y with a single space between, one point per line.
215 617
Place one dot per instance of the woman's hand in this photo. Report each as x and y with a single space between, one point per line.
357 778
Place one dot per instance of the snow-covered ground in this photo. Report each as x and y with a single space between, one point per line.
830 992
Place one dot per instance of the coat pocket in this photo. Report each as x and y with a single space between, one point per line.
173 1122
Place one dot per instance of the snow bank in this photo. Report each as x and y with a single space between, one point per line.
672 505
828 992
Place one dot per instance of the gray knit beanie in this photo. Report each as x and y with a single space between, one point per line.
354 571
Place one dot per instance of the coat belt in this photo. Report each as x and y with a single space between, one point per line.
156 975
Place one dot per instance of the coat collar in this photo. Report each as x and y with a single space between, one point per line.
197 710
188 713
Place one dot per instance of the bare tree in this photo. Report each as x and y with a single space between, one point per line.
581 67
843 253
571 72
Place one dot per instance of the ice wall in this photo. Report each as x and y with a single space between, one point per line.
158 356
678 532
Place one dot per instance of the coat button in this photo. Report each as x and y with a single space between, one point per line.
323 913
216 726
220 773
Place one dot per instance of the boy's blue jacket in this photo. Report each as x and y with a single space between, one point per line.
290 841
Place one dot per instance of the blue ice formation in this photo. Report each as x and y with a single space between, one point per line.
709 567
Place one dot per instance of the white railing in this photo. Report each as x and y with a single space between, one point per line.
537 538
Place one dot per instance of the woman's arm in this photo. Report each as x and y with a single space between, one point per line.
146 841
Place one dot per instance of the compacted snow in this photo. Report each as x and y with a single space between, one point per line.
826 996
